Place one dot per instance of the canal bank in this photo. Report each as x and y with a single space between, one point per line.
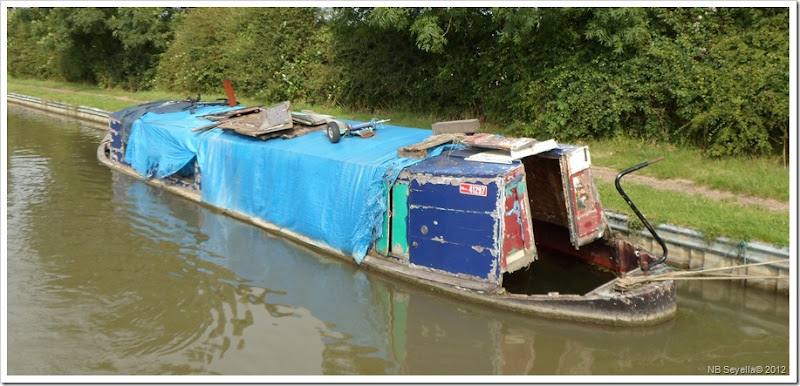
688 249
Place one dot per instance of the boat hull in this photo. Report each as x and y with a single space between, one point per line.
648 304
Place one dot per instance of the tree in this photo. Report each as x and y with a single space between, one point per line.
105 46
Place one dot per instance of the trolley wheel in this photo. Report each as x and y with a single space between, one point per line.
333 132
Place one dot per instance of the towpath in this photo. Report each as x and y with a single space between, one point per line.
689 187
68 91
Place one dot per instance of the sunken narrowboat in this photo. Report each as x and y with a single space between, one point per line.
517 228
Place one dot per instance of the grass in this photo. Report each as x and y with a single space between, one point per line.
754 176
712 217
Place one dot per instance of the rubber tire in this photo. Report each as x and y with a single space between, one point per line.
334 135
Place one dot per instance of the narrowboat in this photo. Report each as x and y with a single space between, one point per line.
514 224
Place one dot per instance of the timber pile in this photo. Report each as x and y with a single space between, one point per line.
266 123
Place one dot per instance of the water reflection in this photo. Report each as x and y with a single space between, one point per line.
353 324
248 291
108 275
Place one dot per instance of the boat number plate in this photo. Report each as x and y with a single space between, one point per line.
475 190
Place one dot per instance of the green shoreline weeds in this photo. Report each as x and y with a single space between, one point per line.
761 177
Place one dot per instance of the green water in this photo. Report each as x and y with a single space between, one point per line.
107 275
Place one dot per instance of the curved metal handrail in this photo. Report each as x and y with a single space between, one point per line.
639 214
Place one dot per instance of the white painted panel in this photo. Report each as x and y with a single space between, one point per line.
579 159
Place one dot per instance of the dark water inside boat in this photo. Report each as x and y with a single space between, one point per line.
552 272
107 275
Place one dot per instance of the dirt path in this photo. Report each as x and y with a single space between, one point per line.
689 187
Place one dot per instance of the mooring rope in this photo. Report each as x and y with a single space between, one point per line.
712 274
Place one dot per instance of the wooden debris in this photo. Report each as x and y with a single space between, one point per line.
265 123
296 131
207 127
220 118
232 113
272 119
420 150
466 126
491 141
310 118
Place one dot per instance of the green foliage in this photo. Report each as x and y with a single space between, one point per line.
270 54
25 56
708 216
113 47
717 78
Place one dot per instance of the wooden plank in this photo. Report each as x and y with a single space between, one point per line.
296 131
420 150
310 118
466 126
491 141
223 117
232 113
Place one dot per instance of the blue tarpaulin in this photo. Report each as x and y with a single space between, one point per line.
327 192
161 144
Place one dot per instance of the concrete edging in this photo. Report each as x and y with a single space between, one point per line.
81 112
688 249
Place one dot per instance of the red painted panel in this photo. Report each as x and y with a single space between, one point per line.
588 210
514 224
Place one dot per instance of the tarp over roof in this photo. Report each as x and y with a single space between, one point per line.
327 192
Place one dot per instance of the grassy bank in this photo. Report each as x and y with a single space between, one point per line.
760 177
711 217
753 176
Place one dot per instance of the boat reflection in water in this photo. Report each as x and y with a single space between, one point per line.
209 294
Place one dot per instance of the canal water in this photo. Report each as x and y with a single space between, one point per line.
107 275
